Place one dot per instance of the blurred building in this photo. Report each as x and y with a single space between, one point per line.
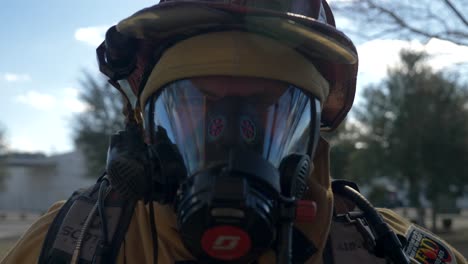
33 182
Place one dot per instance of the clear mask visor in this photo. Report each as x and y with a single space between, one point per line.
206 117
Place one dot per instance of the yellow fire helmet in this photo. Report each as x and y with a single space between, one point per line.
135 46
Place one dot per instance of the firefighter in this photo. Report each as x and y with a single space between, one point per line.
222 159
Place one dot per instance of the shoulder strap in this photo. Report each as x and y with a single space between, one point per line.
45 256
67 226
351 239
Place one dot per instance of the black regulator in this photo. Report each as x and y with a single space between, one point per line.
229 213
232 212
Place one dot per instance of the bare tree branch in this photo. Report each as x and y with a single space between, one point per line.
400 21
442 21
457 34
425 19
457 12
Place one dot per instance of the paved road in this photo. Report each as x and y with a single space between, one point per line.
13 228
14 224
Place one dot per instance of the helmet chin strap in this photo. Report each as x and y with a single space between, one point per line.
132 115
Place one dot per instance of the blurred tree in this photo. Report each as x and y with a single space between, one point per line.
442 19
355 156
380 196
3 145
341 151
416 129
94 126
3 151
345 144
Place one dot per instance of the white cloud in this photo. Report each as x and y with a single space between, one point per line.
67 101
70 91
26 144
446 54
340 1
37 100
14 77
91 35
71 102
376 56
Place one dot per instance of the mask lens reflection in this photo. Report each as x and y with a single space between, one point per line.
206 117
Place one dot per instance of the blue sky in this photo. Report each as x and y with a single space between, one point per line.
46 45
44 49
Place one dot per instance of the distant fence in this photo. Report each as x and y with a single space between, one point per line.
18 215
455 221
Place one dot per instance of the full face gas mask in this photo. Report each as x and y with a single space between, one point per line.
245 144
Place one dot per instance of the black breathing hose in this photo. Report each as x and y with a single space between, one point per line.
152 216
384 234
154 232
103 190
98 207
284 255
285 236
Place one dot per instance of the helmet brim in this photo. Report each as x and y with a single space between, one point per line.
177 19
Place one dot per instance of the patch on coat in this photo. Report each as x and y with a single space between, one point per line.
426 248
